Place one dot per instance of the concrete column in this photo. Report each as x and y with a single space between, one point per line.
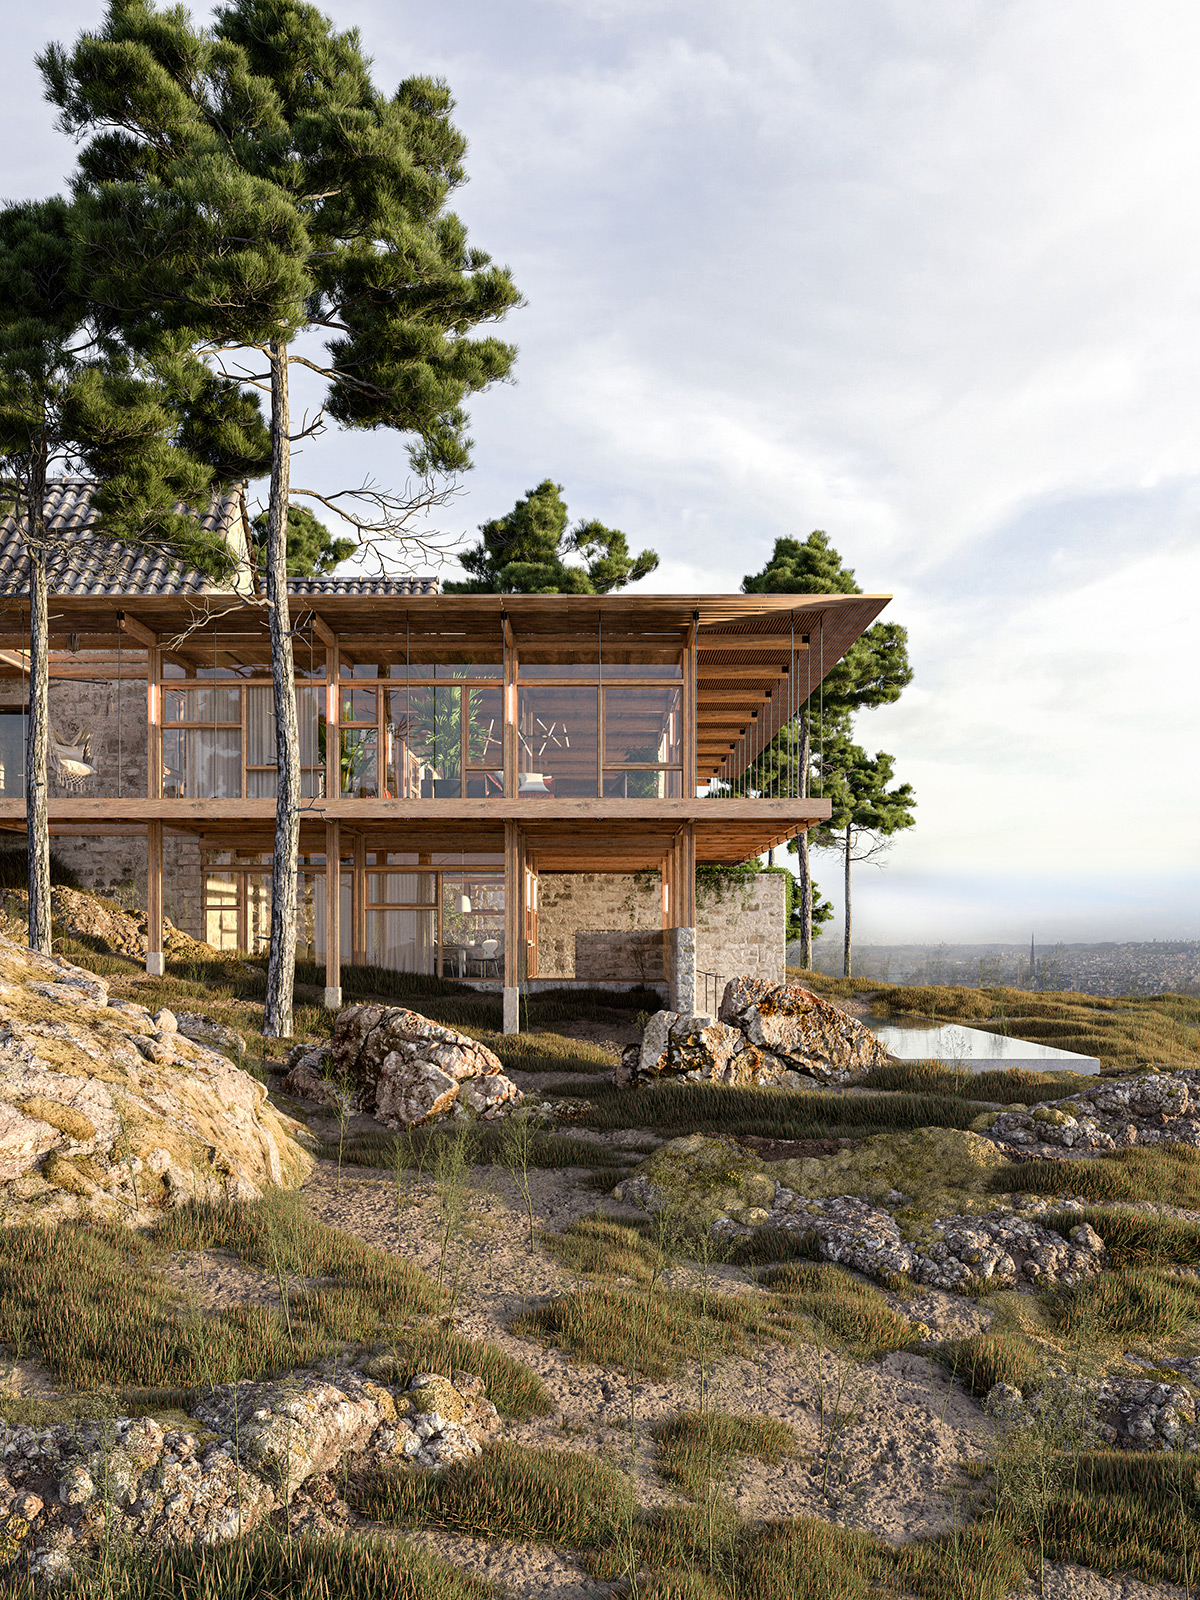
512 1010
681 969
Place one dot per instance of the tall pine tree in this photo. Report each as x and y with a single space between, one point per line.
148 431
247 184
873 672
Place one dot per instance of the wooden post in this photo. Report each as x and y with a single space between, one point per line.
514 894
333 715
155 965
154 766
687 876
333 915
511 741
687 704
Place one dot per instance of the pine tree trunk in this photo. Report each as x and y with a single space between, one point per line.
37 821
281 968
846 957
805 874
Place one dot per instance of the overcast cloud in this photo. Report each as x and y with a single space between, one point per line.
921 274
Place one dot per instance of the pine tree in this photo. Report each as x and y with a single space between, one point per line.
866 814
525 552
247 184
148 432
873 672
312 551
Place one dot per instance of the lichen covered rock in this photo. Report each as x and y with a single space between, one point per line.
1153 1108
698 1179
932 1168
251 1452
807 1033
109 1112
404 1069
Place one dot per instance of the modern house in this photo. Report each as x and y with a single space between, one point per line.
455 749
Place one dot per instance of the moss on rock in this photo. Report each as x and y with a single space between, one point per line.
937 1169
699 1178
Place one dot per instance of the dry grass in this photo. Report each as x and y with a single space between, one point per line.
827 1301
1134 1304
694 1446
268 1566
1145 1172
990 1358
1002 1085
93 1303
552 1496
1136 1238
420 1146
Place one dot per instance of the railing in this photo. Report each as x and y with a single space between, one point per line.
709 988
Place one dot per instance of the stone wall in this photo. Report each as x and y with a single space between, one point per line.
594 902
740 928
595 925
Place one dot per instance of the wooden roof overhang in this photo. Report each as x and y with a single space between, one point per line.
566 835
758 657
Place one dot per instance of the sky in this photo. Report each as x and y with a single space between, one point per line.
922 274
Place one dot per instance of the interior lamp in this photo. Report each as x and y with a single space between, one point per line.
464 903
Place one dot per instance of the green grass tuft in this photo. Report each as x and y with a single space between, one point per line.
853 1315
986 1359
1132 1304
552 1496
1135 1238
1146 1172
694 1447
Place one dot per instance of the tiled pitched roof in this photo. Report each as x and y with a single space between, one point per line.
85 564
362 585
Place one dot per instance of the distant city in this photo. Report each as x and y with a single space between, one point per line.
1144 967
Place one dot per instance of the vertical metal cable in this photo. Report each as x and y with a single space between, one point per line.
120 620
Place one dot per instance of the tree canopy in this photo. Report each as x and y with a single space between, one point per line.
312 551
526 551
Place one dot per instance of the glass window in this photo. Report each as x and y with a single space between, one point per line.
543 665
202 763
12 752
212 704
405 941
221 909
260 741
360 763
424 743
556 745
642 726
642 669
401 888
629 783
357 705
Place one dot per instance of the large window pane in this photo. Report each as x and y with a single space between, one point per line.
425 742
405 941
221 910
642 725
632 784
12 754
360 763
202 763
556 741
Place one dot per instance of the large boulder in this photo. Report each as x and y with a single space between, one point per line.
107 1111
701 1050
697 1179
808 1034
402 1068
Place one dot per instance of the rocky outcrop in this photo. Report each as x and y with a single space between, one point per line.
1160 1108
109 926
403 1068
1123 1413
716 1183
256 1451
769 1035
108 1111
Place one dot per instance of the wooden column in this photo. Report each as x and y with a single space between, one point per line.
688 713
154 766
514 894
333 712
154 899
511 742
687 877
333 915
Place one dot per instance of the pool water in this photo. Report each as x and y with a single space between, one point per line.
974 1049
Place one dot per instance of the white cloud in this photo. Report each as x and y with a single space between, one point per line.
922 274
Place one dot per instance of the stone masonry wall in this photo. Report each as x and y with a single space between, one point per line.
594 902
740 929
595 925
